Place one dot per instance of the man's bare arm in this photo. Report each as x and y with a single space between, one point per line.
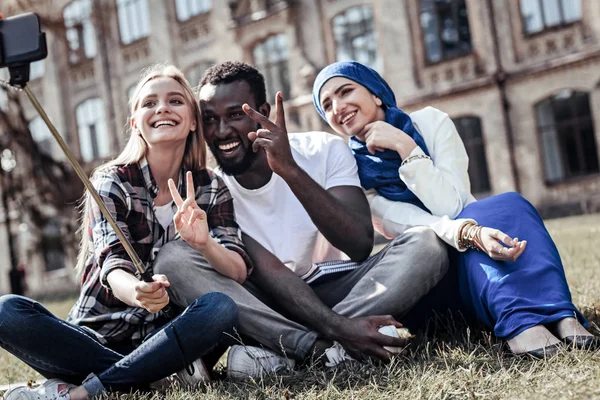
359 336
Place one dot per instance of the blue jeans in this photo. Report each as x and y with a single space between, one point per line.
58 349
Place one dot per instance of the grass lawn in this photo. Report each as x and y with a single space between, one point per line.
457 362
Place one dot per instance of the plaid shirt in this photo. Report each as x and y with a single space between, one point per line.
129 192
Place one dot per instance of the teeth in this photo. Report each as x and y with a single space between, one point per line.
161 123
347 117
228 146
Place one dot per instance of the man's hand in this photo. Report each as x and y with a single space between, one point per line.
361 337
152 296
272 138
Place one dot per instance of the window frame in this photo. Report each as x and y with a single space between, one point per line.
575 122
444 58
267 66
80 24
99 121
191 15
468 144
130 11
349 38
546 28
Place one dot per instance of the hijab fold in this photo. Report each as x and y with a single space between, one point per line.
377 171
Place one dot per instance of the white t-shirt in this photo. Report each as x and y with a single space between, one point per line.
164 214
274 217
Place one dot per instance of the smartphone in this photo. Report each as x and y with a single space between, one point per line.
21 40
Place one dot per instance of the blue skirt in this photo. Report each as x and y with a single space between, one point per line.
510 297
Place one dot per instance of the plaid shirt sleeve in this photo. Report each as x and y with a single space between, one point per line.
109 251
221 220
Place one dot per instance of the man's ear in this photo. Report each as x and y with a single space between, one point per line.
265 109
378 101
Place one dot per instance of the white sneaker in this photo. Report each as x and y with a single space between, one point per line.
193 375
52 389
189 377
336 355
245 362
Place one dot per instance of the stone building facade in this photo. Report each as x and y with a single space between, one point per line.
520 78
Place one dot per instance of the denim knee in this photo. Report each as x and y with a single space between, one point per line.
11 307
225 310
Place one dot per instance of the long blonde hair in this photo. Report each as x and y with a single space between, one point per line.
194 157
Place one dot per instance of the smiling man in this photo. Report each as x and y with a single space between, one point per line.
298 200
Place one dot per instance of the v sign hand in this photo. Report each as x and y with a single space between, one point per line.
272 138
190 220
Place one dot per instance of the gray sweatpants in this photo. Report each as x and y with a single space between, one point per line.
390 282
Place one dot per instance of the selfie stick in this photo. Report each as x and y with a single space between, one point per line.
145 274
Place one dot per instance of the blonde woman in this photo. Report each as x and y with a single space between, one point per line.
157 189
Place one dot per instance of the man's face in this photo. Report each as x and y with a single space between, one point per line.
226 126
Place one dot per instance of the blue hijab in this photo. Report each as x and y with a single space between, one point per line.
378 171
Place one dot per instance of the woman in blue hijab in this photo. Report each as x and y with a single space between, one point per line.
414 169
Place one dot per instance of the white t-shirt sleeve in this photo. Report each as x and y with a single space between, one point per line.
341 165
442 182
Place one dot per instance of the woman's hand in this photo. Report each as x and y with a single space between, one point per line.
380 135
190 220
152 296
491 243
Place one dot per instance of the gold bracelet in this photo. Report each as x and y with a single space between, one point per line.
415 157
470 236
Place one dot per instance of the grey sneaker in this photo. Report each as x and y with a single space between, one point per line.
245 362
52 389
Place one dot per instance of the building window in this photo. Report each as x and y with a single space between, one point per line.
469 129
36 69
80 31
41 135
445 26
567 136
354 36
91 127
194 73
3 100
271 58
539 15
133 20
52 245
186 9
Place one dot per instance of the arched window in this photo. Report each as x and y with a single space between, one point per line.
3 100
91 127
445 26
134 21
567 138
355 37
186 9
36 69
52 245
271 58
469 129
194 73
539 15
80 31
41 135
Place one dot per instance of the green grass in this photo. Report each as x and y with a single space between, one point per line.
455 363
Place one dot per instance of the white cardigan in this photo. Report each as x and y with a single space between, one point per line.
441 183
